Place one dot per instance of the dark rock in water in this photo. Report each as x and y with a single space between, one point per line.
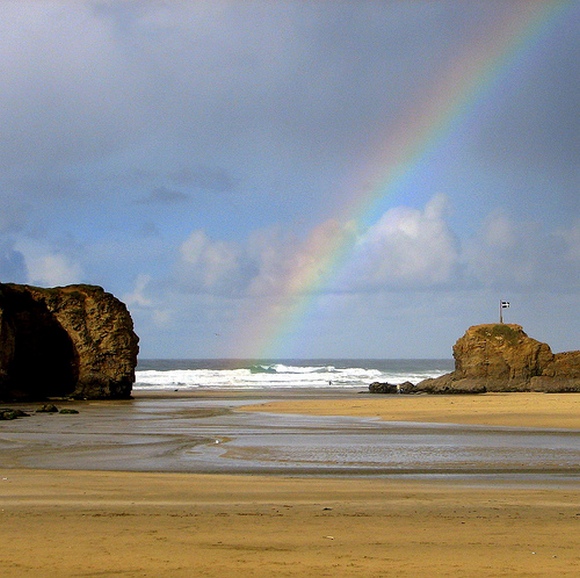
501 357
7 413
378 387
68 410
76 341
47 408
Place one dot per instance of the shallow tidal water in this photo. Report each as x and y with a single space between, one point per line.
208 435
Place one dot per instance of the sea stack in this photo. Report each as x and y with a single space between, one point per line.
501 357
75 341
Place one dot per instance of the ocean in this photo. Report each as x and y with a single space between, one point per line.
196 374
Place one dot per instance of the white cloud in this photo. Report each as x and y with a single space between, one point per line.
12 263
209 266
272 251
505 253
406 247
47 267
270 262
162 317
571 238
286 265
149 311
137 297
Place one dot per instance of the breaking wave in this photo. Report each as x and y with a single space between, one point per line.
227 374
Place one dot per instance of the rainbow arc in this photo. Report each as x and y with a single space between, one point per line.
426 125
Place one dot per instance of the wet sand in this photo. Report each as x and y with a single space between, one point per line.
58 523
534 410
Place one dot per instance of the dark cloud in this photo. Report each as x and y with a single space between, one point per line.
286 87
203 177
13 214
148 229
124 15
164 196
530 136
537 124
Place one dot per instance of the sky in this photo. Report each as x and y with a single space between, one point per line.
297 179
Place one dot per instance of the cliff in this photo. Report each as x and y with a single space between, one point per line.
76 341
501 357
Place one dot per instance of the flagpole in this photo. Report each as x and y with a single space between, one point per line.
502 305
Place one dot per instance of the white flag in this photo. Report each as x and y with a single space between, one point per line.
505 304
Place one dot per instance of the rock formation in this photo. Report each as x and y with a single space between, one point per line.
76 341
501 357
385 387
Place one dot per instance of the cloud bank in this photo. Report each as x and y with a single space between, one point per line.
407 248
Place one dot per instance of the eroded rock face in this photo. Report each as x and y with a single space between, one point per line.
501 357
75 341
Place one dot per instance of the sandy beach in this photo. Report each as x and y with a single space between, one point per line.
58 523
534 410
64 523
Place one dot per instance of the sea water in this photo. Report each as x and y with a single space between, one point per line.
194 374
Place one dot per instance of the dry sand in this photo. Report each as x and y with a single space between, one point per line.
79 523
537 410
76 523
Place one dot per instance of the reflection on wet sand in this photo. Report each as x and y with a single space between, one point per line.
207 435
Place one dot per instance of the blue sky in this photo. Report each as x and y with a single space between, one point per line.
187 155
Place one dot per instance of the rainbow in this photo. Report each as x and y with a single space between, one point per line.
469 80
